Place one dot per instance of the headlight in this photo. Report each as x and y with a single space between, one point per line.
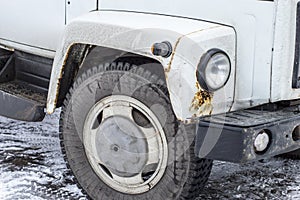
214 70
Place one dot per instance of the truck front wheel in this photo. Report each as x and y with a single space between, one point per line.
122 140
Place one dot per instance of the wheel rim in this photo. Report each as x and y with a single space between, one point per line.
125 144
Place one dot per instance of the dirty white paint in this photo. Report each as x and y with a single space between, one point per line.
28 26
190 38
253 22
284 52
76 8
12 45
260 76
182 76
36 27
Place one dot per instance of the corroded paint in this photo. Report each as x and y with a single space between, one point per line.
59 81
70 57
202 102
168 69
173 54
180 34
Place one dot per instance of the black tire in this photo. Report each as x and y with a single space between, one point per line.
184 177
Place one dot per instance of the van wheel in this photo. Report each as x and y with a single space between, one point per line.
122 140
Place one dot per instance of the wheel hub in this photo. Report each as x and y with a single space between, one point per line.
121 146
127 155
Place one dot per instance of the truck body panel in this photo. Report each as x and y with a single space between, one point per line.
138 37
284 56
253 22
32 26
37 27
259 72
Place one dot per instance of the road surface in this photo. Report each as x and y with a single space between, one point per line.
32 167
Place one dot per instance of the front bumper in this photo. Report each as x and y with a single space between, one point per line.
231 137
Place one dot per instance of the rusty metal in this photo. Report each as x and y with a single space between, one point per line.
202 102
173 54
74 58
177 43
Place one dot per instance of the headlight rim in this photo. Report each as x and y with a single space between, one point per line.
201 75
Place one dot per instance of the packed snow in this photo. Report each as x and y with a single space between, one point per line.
32 167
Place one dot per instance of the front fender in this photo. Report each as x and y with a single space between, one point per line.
136 33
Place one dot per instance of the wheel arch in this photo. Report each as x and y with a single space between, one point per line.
123 34
91 31
82 57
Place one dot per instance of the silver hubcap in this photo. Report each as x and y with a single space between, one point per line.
125 144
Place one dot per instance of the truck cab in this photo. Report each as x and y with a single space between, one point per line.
152 92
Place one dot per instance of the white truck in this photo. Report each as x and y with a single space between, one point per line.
152 91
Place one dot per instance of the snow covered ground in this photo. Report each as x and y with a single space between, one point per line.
32 167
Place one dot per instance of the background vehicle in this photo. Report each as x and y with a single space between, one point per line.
137 81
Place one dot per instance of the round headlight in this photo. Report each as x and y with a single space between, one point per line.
214 70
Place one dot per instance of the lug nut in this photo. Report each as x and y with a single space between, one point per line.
115 148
